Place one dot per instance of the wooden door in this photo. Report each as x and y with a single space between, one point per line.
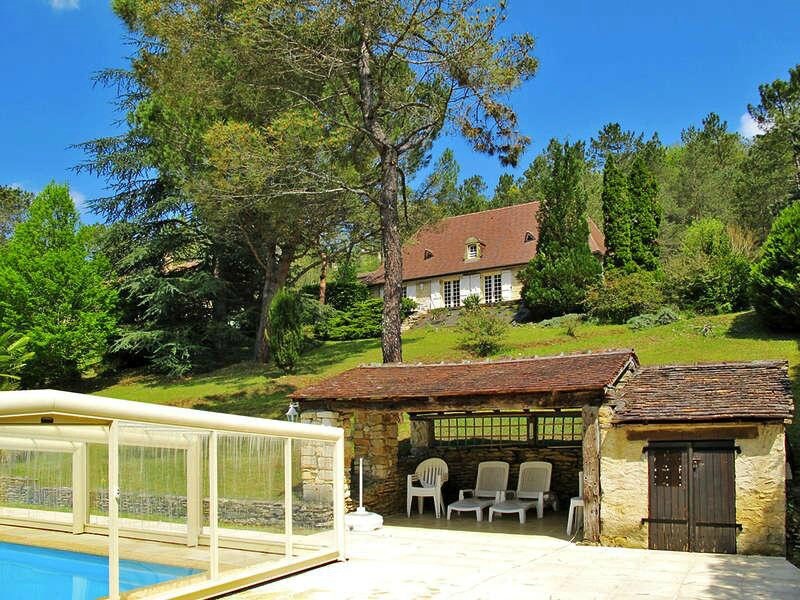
692 497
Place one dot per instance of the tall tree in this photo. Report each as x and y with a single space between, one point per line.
53 291
645 215
771 173
507 192
14 205
616 215
556 279
402 69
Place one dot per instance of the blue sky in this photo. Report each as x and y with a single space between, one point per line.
651 66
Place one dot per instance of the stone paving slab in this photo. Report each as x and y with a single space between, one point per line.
412 562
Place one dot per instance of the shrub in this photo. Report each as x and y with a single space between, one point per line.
286 329
363 320
776 274
622 296
664 316
13 356
709 276
557 286
482 331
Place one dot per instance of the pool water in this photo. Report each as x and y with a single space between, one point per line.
35 573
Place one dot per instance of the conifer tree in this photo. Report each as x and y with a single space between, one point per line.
645 216
616 215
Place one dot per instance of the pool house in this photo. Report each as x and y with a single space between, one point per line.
124 499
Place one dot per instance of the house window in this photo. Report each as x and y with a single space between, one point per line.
404 291
472 251
506 429
452 293
528 237
492 288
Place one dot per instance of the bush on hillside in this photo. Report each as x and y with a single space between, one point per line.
557 286
776 274
709 276
664 316
622 296
363 320
341 295
286 329
481 330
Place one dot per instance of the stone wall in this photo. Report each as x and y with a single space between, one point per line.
760 487
462 464
16 491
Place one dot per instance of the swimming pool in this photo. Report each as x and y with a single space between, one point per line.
35 573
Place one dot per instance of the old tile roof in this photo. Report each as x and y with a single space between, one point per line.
565 373
706 392
501 233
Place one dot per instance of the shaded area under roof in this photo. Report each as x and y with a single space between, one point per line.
758 390
588 372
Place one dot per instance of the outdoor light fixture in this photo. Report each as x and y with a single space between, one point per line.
292 414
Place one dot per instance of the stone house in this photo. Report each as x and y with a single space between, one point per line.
474 254
673 457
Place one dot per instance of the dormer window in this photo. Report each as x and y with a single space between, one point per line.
472 249
428 254
528 237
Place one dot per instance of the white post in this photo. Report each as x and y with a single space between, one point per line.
338 496
361 483
113 511
194 492
80 492
287 495
213 508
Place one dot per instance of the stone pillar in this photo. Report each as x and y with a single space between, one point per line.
316 458
375 440
421 434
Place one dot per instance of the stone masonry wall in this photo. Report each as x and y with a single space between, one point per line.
760 488
462 464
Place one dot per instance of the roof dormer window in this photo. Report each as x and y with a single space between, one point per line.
528 237
472 249
428 254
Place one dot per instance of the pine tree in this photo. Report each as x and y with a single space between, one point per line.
556 279
645 215
616 215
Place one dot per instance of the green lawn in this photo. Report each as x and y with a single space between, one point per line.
251 389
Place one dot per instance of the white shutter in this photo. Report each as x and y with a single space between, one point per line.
411 291
436 294
505 279
463 288
475 285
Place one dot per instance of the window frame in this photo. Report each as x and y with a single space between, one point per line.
454 293
495 288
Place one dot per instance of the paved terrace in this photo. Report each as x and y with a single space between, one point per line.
424 558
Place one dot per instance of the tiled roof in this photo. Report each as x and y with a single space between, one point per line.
501 233
706 392
566 373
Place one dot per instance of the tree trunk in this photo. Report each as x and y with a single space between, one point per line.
323 277
278 263
591 474
392 258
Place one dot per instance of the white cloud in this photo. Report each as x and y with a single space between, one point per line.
65 4
79 200
748 126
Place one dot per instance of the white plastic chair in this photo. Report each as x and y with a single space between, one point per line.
533 488
429 476
575 504
490 484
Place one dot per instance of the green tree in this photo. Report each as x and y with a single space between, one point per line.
645 219
507 192
14 355
617 215
771 177
14 205
556 279
52 291
401 71
481 330
776 275
286 329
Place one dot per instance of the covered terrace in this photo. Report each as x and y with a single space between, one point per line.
543 409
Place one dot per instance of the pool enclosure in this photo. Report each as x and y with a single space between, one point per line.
224 496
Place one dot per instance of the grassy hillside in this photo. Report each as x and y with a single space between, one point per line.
257 390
